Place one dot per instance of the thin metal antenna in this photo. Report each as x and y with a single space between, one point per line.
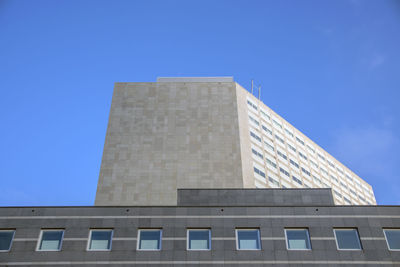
252 85
259 92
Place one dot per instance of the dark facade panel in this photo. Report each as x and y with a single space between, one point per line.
255 197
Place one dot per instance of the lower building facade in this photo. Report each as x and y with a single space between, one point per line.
208 227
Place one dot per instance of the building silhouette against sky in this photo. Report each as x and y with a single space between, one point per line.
209 132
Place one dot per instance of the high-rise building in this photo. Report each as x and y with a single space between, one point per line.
209 133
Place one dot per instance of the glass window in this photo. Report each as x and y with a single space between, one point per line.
248 239
6 237
347 239
100 239
297 239
198 239
392 238
50 240
149 239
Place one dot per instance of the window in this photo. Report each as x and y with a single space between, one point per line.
323 171
198 239
100 239
265 115
347 200
313 164
311 149
251 104
289 133
266 130
269 162
254 120
321 157
392 238
292 147
317 180
305 171
299 140
297 239
258 154
337 193
284 172
281 154
50 240
297 180
348 177
347 239
269 146
279 139
302 155
149 239
273 181
248 239
277 123
294 163
259 172
255 136
6 238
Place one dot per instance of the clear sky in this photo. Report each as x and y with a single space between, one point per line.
330 68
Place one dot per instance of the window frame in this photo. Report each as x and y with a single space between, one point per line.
99 230
148 229
298 228
387 242
347 229
248 229
198 229
12 239
39 241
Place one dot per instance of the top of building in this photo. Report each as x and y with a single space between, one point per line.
195 79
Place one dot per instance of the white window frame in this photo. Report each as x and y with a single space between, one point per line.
148 229
347 229
12 238
287 241
387 243
248 229
99 230
41 236
197 229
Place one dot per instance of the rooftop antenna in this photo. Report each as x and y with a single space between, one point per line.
259 92
252 86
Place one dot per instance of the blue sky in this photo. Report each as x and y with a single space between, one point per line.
331 68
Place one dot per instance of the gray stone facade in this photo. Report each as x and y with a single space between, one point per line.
211 212
167 135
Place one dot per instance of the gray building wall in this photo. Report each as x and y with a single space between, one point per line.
222 220
168 135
